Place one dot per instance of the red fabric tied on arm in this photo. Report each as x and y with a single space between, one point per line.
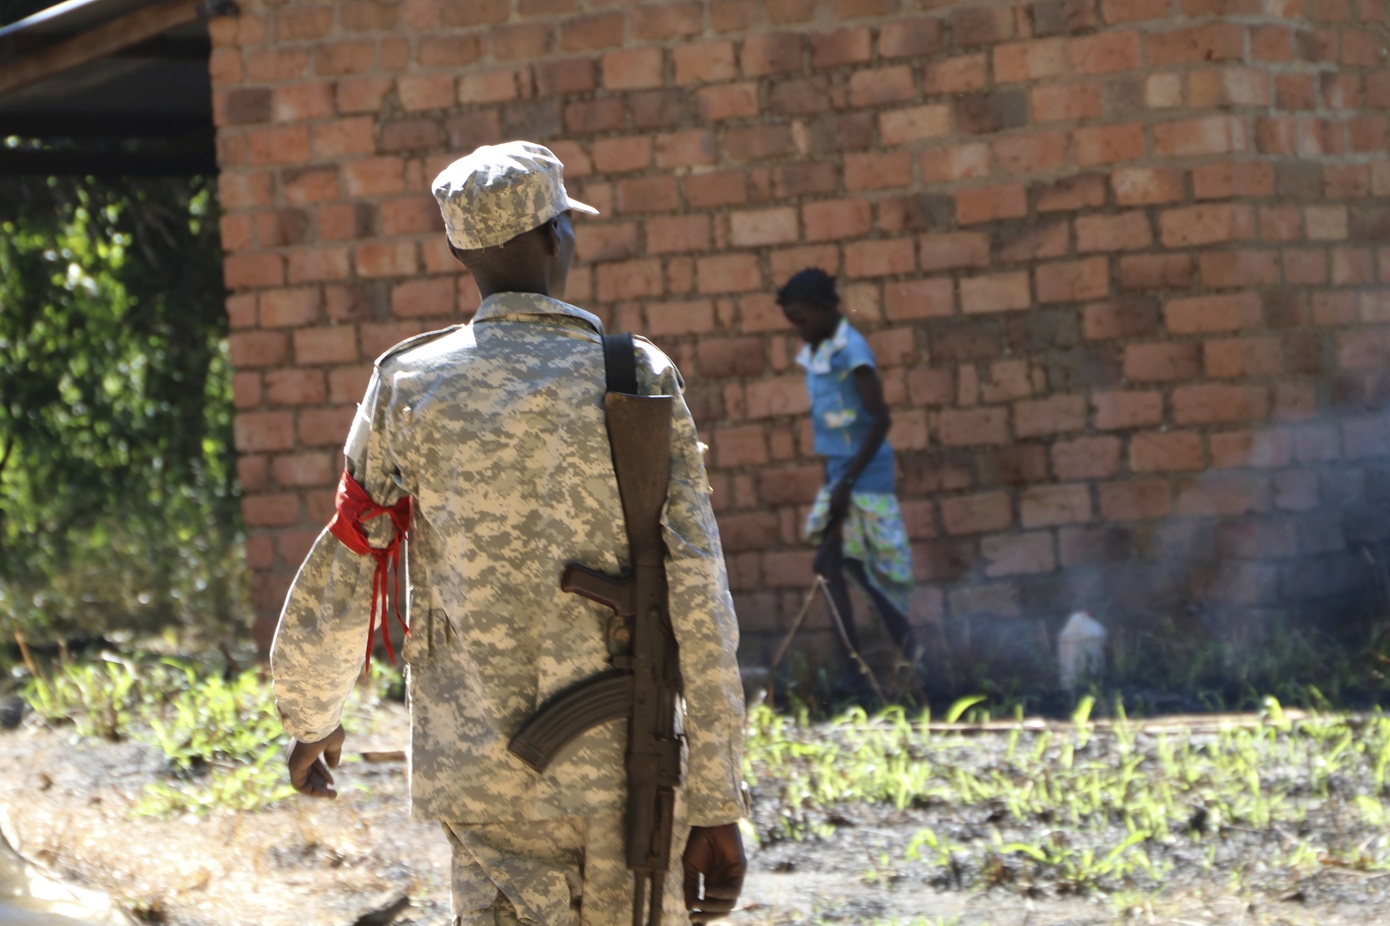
353 507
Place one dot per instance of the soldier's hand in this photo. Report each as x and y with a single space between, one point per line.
309 764
716 852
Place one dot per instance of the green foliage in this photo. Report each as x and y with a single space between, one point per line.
246 787
213 719
118 506
218 736
1119 804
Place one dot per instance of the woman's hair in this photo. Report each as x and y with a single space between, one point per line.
813 287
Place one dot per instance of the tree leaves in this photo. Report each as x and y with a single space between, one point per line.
117 484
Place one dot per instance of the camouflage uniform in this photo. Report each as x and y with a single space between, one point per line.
496 431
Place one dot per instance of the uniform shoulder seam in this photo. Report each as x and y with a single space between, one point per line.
415 341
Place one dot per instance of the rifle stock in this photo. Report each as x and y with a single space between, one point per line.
639 429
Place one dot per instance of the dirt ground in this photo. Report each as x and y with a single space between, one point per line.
68 805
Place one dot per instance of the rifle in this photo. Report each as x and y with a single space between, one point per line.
645 683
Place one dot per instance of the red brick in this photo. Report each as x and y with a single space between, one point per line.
1222 497
1073 281
324 427
668 234
763 227
1069 194
790 11
1209 404
1120 11
759 142
1165 451
1230 179
288 308
725 188
1242 357
770 53
930 298
1230 86
1086 458
296 387
1202 314
270 511
425 91
411 134
805 179
785 395
988 204
1035 59
241 311
325 344
1156 271
1053 505
1140 500
385 258
675 319
1206 224
967 427
1055 415
986 25
704 62
659 22
878 171
1159 362
424 297
728 273
1018 554
362 94
1008 380
882 85
833 219
257 432
953 250
648 194
915 38
1105 53
1031 154
522 41
1135 186
633 68
1125 231
1120 318
881 257
1066 103
269 65
1206 135
956 75
1242 449
280 145
1030 243
1108 144
852 45
723 358
1214 41
1227 269
942 165
495 86
343 137
996 293
258 348
338 58
620 155
977 514
729 101
1123 410
246 271
631 279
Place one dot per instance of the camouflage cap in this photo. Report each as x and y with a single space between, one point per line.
501 191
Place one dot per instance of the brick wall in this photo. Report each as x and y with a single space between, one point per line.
1124 264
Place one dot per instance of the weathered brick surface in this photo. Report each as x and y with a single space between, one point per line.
1123 262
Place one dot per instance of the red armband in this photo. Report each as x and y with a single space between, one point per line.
353 507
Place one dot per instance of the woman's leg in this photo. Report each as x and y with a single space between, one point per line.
899 627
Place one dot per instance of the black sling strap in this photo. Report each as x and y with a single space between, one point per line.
620 363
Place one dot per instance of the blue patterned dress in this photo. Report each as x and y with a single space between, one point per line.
873 532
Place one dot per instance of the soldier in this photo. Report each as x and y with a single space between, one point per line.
487 443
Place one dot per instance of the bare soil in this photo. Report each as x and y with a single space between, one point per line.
306 862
